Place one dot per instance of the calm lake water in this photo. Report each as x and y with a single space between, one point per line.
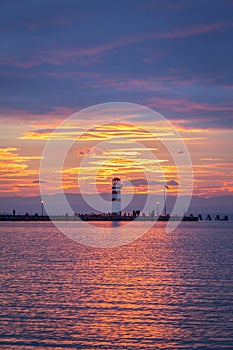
163 291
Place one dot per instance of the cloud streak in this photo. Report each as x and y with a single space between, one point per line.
60 56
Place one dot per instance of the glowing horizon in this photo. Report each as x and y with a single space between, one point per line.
21 172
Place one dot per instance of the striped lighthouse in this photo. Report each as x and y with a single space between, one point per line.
116 196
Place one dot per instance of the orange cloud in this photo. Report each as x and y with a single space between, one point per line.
15 173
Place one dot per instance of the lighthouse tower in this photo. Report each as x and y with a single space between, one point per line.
116 196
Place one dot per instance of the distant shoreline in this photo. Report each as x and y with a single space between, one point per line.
99 217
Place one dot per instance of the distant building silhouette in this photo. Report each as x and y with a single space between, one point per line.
116 196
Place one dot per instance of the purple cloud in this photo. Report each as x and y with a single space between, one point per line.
172 183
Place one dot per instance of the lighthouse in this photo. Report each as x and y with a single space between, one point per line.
116 196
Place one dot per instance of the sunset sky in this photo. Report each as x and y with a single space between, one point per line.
58 57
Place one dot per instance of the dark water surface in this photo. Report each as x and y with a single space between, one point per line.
164 291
